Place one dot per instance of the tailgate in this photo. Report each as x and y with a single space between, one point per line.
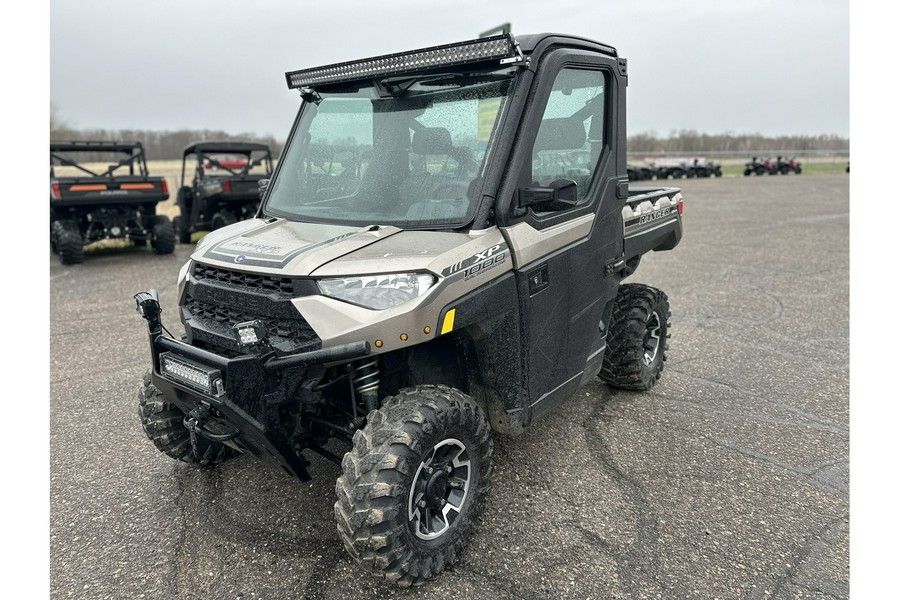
244 187
652 220
86 191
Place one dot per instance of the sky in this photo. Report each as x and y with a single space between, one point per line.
741 66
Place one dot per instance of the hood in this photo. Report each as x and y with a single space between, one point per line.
440 252
282 247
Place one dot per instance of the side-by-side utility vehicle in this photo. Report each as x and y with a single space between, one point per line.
224 187
89 203
452 271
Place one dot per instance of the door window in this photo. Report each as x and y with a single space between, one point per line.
570 138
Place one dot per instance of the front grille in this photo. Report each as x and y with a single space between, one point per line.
284 328
260 284
218 299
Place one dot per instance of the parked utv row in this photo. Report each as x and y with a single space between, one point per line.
118 200
780 166
681 170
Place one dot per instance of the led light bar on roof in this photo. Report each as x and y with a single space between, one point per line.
497 47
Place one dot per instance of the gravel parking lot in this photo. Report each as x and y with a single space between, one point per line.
728 480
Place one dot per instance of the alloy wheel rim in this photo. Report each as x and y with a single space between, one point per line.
440 489
651 339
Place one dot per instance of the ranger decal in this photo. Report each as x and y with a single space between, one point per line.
657 214
260 255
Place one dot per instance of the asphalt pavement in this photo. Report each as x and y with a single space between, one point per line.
728 480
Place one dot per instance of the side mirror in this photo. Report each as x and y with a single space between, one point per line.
263 186
559 195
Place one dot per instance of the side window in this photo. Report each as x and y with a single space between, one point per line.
570 139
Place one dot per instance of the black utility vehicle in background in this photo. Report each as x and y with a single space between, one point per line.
759 167
706 168
455 276
784 165
113 201
224 188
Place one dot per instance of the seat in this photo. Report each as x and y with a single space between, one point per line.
425 191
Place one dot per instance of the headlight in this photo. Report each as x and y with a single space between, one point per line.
377 291
182 273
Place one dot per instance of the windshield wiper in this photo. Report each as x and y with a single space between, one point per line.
397 86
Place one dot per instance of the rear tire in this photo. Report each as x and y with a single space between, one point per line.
68 241
163 423
181 230
415 483
638 338
163 240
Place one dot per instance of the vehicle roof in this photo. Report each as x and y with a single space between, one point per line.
240 147
94 146
531 42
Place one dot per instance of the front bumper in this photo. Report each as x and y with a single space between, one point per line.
243 402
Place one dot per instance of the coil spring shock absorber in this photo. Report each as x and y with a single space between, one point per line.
365 380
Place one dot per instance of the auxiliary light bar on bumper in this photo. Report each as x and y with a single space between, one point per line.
499 47
236 395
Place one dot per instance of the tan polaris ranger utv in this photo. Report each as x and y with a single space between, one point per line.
437 258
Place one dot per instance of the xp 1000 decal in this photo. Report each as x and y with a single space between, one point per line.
479 262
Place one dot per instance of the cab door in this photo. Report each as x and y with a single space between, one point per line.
561 246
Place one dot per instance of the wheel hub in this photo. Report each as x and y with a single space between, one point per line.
436 488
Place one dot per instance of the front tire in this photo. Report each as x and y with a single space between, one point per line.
638 338
415 483
163 423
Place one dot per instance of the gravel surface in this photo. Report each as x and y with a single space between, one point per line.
728 480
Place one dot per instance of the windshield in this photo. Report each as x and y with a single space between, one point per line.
413 160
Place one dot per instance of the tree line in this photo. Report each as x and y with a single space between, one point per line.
688 140
158 145
168 145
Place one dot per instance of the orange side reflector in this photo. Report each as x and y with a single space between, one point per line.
87 188
136 186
